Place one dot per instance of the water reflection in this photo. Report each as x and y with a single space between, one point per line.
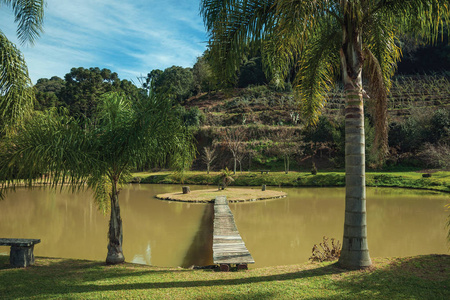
143 259
200 252
401 223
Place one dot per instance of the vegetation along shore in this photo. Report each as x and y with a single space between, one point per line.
438 181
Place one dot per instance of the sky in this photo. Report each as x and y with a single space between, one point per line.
129 37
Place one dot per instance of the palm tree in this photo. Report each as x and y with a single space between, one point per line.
127 134
323 40
16 94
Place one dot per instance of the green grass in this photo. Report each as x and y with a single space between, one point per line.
421 277
232 194
439 181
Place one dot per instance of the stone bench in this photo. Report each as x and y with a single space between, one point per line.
265 171
21 254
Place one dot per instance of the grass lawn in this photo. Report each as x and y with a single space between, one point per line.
232 194
420 277
439 181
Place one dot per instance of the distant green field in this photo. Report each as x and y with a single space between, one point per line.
439 181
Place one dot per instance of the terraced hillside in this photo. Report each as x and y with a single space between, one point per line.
264 113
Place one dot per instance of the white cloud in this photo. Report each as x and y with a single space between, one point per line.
128 37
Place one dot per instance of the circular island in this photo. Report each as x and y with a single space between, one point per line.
232 194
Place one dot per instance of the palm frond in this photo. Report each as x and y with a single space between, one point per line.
16 93
232 25
421 18
381 55
29 16
136 133
48 144
280 53
379 97
295 22
319 67
101 187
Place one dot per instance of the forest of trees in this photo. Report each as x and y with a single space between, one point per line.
419 138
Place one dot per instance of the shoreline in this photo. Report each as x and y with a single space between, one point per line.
233 195
438 182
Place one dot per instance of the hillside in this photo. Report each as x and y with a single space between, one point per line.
263 113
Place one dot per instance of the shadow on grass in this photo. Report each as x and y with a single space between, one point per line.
62 276
420 277
425 277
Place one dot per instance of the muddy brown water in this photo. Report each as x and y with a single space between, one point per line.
277 232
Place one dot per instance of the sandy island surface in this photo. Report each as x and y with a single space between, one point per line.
232 194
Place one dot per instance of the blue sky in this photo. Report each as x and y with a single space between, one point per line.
128 37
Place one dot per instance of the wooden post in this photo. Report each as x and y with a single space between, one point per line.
186 190
263 187
224 267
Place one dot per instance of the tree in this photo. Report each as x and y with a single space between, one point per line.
233 139
16 94
286 144
152 79
239 158
175 81
326 39
204 80
208 157
225 178
48 92
84 88
129 133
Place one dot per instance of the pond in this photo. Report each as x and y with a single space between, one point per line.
276 232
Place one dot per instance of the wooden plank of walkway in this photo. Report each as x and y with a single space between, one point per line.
228 246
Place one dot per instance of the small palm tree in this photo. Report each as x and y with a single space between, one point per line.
127 134
323 40
16 93
225 178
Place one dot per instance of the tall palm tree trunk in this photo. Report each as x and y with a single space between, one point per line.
115 234
355 250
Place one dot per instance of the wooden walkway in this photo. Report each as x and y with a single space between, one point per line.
228 246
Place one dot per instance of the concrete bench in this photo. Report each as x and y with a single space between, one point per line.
265 171
21 254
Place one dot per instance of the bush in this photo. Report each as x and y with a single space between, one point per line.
192 116
436 156
327 253
420 128
440 125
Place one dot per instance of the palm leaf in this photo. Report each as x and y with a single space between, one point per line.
16 94
381 55
29 16
48 144
319 67
233 25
